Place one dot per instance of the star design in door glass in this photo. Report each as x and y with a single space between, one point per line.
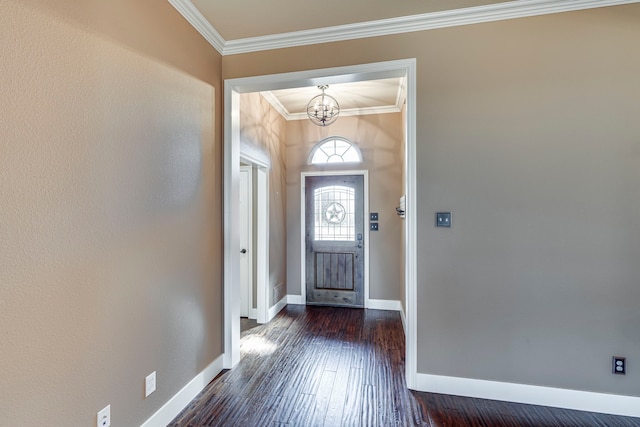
334 213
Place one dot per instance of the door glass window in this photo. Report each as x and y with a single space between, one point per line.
334 213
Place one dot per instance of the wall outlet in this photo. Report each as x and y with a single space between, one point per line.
104 417
150 384
619 365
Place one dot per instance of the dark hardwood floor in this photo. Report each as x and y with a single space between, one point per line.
327 366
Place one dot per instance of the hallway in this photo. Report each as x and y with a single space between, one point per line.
345 367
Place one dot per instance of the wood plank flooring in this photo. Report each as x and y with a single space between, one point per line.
328 366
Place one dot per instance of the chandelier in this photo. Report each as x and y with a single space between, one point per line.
323 109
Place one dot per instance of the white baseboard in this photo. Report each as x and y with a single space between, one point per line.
383 304
276 308
404 321
295 299
533 395
177 403
374 304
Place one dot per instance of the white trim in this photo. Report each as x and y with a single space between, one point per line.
180 400
303 247
249 243
402 93
200 23
383 304
262 250
383 109
276 104
384 27
254 158
530 394
413 23
276 308
404 321
295 300
231 211
411 231
363 72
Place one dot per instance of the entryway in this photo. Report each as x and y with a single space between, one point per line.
232 152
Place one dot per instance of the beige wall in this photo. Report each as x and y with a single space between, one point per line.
379 138
263 134
110 209
527 132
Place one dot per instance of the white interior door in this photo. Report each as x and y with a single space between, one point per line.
246 233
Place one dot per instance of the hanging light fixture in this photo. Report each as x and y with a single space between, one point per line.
323 109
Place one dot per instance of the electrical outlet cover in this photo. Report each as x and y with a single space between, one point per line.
619 365
150 384
104 417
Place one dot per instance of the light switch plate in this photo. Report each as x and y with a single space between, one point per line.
443 219
373 216
373 226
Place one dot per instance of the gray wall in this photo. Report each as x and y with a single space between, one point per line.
528 132
379 137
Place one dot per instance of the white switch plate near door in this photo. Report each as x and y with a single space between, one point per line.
150 384
104 417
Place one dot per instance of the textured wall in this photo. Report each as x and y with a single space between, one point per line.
379 137
263 133
109 210
528 132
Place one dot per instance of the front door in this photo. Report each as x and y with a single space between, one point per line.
334 232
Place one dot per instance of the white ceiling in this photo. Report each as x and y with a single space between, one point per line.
368 97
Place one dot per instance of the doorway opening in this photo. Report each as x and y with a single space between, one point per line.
358 73
254 238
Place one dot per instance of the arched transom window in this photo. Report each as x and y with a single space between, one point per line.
335 150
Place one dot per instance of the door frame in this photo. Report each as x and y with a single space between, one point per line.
261 228
251 311
231 150
365 213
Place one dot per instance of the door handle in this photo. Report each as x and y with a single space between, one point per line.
243 251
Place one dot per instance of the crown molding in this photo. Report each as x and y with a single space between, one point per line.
276 104
353 112
402 93
282 110
200 23
384 27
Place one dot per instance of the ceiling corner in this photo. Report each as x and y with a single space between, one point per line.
200 23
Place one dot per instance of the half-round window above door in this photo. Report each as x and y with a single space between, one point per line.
334 149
